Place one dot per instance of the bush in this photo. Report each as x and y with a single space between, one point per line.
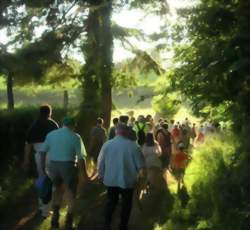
214 183
217 180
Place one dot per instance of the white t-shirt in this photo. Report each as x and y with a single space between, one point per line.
151 155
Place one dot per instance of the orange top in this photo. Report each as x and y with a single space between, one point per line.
180 160
200 137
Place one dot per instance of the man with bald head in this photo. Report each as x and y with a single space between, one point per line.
120 162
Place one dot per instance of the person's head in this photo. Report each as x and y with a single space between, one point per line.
132 119
164 126
45 111
172 122
69 122
124 119
160 120
122 129
131 113
99 121
141 119
148 117
115 121
181 146
149 140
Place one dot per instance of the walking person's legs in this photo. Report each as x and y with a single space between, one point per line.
44 208
127 199
69 176
113 196
57 194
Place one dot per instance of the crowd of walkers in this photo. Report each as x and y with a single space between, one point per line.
131 150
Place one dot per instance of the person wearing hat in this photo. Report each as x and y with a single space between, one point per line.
34 140
64 148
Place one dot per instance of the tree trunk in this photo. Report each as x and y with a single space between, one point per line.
65 99
90 106
10 95
106 62
97 72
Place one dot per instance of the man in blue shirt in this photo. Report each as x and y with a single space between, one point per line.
64 148
119 164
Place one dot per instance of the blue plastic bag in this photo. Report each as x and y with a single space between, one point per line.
44 188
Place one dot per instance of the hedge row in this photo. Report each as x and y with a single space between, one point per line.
13 128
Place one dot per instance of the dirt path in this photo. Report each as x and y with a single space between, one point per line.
154 208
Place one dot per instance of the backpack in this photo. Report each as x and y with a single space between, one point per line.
141 135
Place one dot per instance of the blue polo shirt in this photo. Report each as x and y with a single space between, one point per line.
119 162
64 145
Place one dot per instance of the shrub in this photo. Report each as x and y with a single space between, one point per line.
217 180
212 180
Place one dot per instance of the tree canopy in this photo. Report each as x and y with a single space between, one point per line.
213 61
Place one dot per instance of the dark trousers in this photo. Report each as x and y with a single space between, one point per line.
113 197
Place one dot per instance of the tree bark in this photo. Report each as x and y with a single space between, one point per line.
106 62
97 72
10 94
65 99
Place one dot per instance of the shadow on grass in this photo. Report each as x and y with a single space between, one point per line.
156 207
152 210
30 222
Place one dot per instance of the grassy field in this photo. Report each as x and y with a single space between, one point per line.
124 101
138 100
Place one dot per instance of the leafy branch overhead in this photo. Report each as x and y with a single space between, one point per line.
213 64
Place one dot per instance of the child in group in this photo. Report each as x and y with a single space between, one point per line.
179 164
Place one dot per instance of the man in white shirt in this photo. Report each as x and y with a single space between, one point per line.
119 164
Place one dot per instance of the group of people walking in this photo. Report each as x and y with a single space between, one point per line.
131 149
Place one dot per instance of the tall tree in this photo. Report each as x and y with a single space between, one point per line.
213 63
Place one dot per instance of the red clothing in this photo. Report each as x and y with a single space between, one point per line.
200 137
164 141
176 132
180 160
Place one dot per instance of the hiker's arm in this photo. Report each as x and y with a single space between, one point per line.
27 152
140 162
142 173
83 170
101 163
158 150
43 161
43 152
81 156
